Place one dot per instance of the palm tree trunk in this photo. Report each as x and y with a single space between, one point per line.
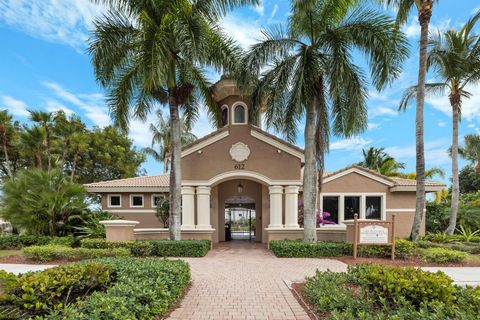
5 154
49 151
455 185
64 154
175 170
310 178
74 165
424 19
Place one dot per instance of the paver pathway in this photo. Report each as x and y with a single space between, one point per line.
460 275
22 268
241 280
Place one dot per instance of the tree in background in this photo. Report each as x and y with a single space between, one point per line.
8 130
471 149
154 52
41 202
424 9
455 58
162 210
310 72
468 180
378 160
161 143
45 121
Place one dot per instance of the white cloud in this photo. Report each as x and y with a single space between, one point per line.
54 105
412 29
373 125
471 125
92 104
274 11
245 31
59 21
436 152
470 107
260 8
355 143
441 123
14 106
382 111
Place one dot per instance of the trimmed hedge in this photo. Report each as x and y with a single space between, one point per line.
55 252
16 241
159 248
442 255
109 288
143 289
377 292
301 249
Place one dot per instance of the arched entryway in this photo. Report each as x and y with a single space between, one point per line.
241 204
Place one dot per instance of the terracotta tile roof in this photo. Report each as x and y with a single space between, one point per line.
411 182
161 180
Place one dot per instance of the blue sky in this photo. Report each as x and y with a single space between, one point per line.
44 65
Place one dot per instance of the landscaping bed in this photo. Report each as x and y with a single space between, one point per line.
386 292
109 288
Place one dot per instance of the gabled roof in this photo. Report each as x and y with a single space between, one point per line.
158 183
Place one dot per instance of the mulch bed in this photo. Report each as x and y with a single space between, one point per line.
410 262
20 259
297 290
176 305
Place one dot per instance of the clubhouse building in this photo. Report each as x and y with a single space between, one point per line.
242 175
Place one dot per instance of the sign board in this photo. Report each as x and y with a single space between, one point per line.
374 234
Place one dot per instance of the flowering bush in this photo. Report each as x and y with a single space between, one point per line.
322 219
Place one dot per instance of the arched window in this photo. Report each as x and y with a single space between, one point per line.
224 116
239 114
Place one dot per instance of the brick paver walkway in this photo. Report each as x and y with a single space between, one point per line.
245 281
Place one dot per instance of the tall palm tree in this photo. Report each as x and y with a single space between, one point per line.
45 120
161 138
471 150
455 57
79 143
148 52
64 129
310 71
377 159
6 128
32 144
424 9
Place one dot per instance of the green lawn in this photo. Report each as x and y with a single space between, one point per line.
5 253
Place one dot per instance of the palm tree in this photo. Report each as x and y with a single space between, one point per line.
65 128
424 9
148 52
310 72
32 144
161 138
377 159
471 150
45 120
429 174
6 128
79 142
455 56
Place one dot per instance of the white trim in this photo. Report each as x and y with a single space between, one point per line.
414 188
126 189
401 210
245 109
240 174
205 143
130 210
137 195
277 144
341 198
114 195
361 172
225 106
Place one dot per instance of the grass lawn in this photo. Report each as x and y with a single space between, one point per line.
6 253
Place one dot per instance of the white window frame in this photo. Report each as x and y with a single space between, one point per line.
109 196
228 114
245 108
153 198
341 206
137 195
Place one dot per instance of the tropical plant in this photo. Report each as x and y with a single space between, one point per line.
467 234
45 120
161 139
308 70
79 143
40 202
424 10
430 174
150 52
162 210
88 224
32 145
6 132
471 150
64 129
377 159
455 58
468 180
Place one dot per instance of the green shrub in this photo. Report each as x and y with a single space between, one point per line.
413 284
16 241
67 241
300 249
54 252
160 248
442 255
144 289
50 290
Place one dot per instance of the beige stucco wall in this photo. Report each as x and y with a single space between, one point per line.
215 158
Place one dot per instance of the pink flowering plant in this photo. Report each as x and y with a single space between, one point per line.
322 219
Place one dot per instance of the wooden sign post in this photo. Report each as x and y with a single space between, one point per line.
373 233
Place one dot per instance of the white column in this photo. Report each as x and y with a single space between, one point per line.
291 207
276 193
188 208
203 208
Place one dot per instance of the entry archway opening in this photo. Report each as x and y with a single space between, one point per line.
240 219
